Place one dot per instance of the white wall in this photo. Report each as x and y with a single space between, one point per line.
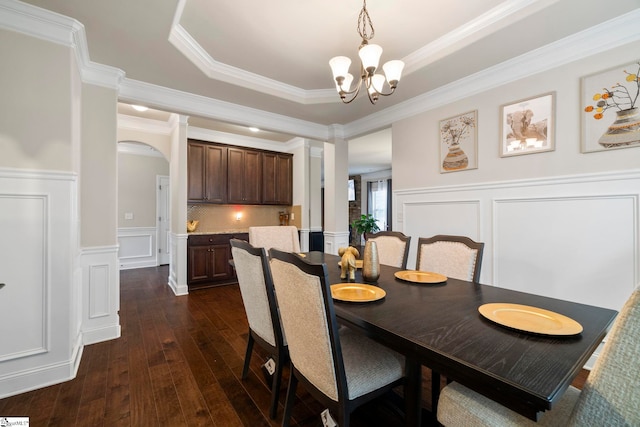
561 223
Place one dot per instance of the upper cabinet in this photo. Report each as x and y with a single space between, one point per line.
278 181
207 173
225 174
244 176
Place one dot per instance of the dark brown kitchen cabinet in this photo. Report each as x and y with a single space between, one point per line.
207 173
277 181
223 174
208 258
244 176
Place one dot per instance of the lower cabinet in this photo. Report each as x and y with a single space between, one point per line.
208 257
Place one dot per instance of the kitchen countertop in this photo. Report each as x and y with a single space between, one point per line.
236 231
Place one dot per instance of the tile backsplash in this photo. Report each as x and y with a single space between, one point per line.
217 218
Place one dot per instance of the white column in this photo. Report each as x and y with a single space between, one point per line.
336 205
178 172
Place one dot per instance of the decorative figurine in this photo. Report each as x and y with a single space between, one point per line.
348 262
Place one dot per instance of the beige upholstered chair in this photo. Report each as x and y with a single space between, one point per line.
610 397
282 237
339 367
258 297
457 257
393 247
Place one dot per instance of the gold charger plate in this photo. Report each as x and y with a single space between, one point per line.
416 276
358 263
530 319
356 292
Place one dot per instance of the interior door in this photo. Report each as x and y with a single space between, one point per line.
164 220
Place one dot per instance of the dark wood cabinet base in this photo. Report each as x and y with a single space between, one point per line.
208 257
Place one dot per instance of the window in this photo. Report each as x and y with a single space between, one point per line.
379 202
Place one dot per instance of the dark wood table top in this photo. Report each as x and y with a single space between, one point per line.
440 326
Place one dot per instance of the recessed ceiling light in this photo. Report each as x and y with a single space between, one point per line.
254 129
140 107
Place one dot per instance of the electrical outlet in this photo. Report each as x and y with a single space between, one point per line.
292 216
128 215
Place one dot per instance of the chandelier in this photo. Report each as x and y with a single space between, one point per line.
370 58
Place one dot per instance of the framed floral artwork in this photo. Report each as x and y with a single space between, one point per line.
611 109
527 126
459 142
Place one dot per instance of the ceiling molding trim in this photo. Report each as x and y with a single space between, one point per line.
163 98
234 139
142 124
468 33
37 22
182 40
608 35
55 28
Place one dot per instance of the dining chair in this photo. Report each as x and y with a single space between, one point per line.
258 297
610 396
339 367
283 237
393 247
457 257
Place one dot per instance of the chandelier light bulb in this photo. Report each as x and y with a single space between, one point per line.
370 56
393 71
346 84
340 66
377 82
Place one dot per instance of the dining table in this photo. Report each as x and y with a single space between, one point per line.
439 325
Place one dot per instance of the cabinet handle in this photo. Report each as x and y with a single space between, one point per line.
1 285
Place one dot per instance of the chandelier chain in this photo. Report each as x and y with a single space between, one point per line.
364 23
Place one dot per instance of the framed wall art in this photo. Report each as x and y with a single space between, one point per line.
459 142
610 109
527 126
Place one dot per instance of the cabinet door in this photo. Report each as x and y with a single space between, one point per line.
252 177
199 269
216 174
207 173
269 180
220 267
284 189
277 179
244 173
196 160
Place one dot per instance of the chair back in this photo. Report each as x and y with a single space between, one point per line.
393 247
611 394
309 321
256 287
457 257
282 237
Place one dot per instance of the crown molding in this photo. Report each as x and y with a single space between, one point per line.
471 31
234 139
52 27
605 36
142 124
187 103
190 48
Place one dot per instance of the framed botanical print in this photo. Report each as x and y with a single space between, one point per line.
611 109
459 142
527 126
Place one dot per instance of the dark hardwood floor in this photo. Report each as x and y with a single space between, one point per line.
178 363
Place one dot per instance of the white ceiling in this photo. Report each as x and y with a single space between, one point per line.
272 56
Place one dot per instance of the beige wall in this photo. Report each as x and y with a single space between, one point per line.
36 111
98 169
416 140
137 188
160 142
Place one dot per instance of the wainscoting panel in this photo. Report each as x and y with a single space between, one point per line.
39 318
428 218
571 237
566 245
24 299
101 294
138 247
